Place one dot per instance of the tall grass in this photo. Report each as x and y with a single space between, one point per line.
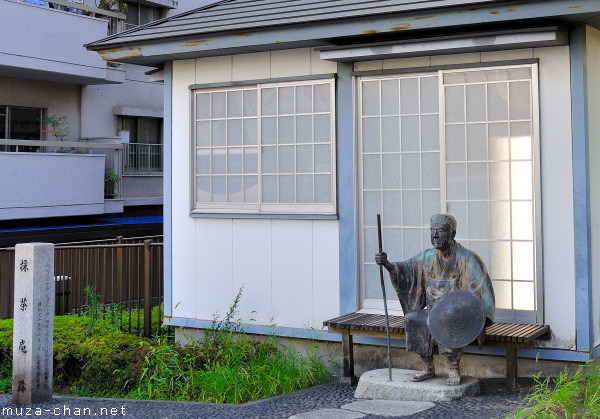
236 371
227 367
570 395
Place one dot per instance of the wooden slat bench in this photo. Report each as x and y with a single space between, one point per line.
509 335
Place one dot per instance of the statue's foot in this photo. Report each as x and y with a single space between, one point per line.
426 374
453 377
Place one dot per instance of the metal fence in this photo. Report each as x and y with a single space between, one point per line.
123 272
142 159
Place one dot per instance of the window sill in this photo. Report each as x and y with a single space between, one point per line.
267 216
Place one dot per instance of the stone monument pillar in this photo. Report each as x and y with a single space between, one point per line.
33 323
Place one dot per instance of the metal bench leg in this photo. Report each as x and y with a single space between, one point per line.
348 360
511 366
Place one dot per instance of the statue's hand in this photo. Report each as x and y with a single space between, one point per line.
381 258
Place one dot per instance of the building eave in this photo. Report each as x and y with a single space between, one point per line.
154 53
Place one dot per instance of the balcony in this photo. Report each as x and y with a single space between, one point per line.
58 178
46 43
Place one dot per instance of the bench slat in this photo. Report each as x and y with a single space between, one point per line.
510 332
526 331
499 332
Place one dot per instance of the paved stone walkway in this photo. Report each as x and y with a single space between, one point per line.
494 402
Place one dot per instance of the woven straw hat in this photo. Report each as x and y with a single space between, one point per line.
457 319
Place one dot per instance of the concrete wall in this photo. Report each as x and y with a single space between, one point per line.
289 268
50 185
57 98
141 186
370 357
98 101
593 84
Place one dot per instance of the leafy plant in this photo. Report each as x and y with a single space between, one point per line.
92 310
111 179
220 329
59 127
570 395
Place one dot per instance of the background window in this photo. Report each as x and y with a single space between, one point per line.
267 148
139 14
143 153
19 123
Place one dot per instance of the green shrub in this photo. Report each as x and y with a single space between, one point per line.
93 358
103 364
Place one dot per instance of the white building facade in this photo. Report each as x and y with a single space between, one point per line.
285 143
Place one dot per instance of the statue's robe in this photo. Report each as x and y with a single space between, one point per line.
423 279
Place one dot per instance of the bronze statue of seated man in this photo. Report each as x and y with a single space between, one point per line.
424 279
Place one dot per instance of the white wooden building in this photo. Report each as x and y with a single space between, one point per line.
290 125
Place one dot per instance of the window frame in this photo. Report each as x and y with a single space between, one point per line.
263 208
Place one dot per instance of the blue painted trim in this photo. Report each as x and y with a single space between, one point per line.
581 193
167 194
290 332
555 355
346 188
268 216
294 36
323 335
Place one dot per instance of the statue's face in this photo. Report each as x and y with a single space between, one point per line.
441 236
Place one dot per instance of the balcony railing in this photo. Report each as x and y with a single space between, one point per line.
116 21
143 159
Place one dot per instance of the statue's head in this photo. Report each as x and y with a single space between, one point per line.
443 230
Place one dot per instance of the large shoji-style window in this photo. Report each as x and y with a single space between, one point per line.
267 148
463 142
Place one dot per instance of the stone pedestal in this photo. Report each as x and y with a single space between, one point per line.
375 385
33 323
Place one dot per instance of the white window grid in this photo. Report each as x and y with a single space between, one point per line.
325 203
534 313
